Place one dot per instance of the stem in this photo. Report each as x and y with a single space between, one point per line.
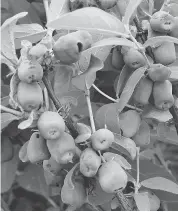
87 94
12 111
58 105
46 98
115 100
174 111
138 170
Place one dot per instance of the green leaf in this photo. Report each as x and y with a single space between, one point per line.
7 35
85 80
118 158
108 115
68 179
126 143
27 123
5 100
58 8
62 79
151 112
83 128
23 152
131 8
90 19
142 201
7 118
129 87
123 77
33 180
161 183
82 138
156 41
8 171
114 203
8 63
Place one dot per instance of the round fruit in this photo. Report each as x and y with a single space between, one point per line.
162 21
102 139
162 93
174 32
37 150
112 177
62 149
68 48
30 71
107 4
7 150
51 125
128 127
134 59
159 72
143 91
75 197
29 96
89 162
38 51
165 53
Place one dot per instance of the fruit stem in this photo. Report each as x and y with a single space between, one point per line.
58 105
46 6
12 111
87 95
46 98
138 170
115 100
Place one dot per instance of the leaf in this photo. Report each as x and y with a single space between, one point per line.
8 63
7 46
113 41
58 8
131 8
90 19
7 118
33 38
82 138
161 183
118 158
174 73
68 179
27 123
127 143
109 116
156 41
129 87
83 128
98 196
33 180
5 100
8 171
23 152
23 30
13 91
85 80
142 201
114 203
62 79
151 112
123 77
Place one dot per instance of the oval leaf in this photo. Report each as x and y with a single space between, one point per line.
161 183
27 123
90 19
131 8
7 118
23 153
83 128
129 87
118 158
8 46
68 179
142 201
82 138
156 41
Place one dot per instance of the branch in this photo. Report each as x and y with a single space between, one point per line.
58 106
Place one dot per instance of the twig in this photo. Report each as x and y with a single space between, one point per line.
138 170
12 111
58 105
46 6
115 100
51 201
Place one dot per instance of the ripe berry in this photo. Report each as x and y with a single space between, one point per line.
51 125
